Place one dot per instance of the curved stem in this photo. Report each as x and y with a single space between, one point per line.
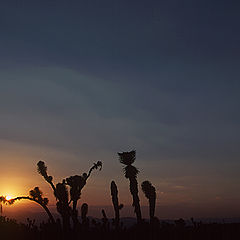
34 200
89 172
95 165
53 187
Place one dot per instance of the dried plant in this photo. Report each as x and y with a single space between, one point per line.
128 158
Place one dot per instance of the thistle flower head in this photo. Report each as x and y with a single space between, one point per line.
98 165
42 168
36 193
127 158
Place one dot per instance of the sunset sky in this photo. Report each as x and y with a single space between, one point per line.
83 80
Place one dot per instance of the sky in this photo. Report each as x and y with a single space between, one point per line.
83 80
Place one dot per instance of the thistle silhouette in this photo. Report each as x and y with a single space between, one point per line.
150 193
76 184
34 195
128 158
61 194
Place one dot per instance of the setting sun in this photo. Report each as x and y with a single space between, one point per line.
8 197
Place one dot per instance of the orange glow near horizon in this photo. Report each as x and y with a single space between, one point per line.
177 196
10 191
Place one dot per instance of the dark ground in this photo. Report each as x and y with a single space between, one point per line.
11 229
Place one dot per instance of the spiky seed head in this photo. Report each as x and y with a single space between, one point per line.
36 193
42 168
98 165
32 194
127 158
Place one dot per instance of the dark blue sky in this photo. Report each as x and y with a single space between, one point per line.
83 80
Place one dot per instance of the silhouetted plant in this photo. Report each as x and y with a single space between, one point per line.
42 169
84 211
128 158
117 207
76 184
95 166
61 194
36 196
63 204
150 193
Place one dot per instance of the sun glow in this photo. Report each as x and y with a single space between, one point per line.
8 197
